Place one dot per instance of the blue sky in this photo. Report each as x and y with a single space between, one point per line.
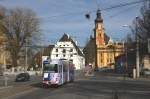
67 16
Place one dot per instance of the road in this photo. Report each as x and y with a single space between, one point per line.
96 87
11 81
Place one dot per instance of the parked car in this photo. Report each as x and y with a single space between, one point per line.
23 77
145 72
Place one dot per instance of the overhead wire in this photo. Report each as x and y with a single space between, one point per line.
96 3
123 4
104 9
122 11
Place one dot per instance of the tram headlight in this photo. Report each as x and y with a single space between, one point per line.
45 75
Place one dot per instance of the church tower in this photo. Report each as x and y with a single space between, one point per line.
99 38
99 30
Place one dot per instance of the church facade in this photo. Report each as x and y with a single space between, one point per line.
101 48
106 49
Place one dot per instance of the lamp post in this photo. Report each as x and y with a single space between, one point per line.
26 57
137 48
137 51
149 45
4 66
95 50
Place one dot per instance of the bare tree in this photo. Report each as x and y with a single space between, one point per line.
19 25
141 31
143 28
2 15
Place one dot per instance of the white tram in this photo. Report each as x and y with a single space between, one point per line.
57 72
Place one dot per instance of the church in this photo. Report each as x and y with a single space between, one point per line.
101 48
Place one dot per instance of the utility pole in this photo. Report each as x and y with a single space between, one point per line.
26 57
42 51
137 51
5 57
148 45
126 56
96 66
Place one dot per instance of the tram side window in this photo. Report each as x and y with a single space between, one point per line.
60 68
55 68
64 68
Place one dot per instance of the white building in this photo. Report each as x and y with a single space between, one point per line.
66 48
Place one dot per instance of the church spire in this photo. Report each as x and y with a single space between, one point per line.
98 17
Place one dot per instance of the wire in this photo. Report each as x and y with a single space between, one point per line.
97 3
104 9
122 11
123 4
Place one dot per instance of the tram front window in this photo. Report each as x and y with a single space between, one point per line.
51 67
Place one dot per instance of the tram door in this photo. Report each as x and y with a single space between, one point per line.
61 73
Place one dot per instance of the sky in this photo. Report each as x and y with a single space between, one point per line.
68 16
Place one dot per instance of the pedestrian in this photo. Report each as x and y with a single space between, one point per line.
90 68
86 69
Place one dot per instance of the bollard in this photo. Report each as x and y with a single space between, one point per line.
134 73
6 81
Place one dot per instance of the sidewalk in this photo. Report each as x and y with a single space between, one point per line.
5 87
6 81
79 75
120 77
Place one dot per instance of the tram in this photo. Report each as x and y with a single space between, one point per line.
57 72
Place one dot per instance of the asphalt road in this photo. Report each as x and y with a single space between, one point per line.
86 88
11 81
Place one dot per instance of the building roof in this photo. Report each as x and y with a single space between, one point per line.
47 50
67 38
89 51
99 17
106 38
90 43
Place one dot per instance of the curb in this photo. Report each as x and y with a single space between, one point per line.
5 87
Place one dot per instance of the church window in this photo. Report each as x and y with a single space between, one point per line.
71 55
108 60
101 60
56 50
100 35
64 50
111 60
71 50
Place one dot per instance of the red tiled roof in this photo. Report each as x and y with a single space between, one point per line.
106 38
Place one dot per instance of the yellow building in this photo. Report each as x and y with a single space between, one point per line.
2 50
4 54
106 49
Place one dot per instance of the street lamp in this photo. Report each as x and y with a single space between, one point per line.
137 51
26 55
137 48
